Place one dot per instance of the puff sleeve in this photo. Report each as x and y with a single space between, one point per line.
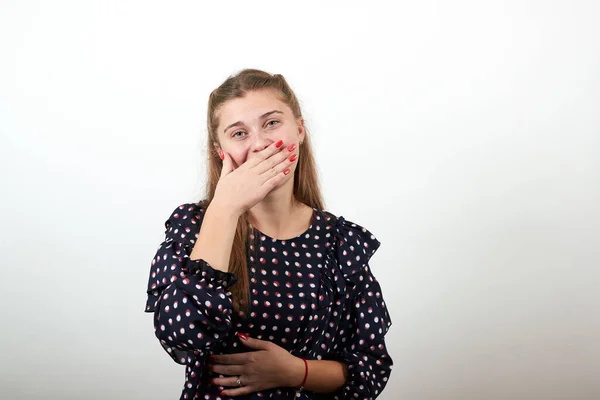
361 335
190 300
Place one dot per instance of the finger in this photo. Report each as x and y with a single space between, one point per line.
276 160
266 153
226 369
276 181
229 381
238 358
275 178
277 174
238 391
227 164
255 343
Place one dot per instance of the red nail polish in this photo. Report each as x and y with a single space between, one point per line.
221 154
279 143
223 393
293 157
291 147
242 336
286 171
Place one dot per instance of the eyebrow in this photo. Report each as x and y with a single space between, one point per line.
261 117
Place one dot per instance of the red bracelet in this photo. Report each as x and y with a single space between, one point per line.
305 376
305 372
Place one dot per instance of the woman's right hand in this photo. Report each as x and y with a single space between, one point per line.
243 187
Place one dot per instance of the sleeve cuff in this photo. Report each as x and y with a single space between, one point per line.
203 269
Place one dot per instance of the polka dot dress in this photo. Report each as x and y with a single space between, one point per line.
313 295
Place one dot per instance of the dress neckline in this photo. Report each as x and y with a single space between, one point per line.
313 220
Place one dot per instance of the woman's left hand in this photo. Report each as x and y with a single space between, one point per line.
268 367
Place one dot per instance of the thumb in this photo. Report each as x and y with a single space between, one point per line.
227 164
253 343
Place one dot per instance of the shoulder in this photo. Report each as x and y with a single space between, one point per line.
184 221
187 213
353 242
350 246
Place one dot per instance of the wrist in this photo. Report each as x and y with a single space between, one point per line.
224 211
296 372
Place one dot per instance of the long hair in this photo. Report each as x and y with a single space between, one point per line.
306 185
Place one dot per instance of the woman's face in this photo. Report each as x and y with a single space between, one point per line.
247 125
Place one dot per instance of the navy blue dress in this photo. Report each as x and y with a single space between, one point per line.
313 295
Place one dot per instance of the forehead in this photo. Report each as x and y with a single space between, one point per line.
250 107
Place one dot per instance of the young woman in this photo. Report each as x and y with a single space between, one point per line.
257 290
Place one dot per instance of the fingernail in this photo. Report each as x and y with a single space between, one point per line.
242 336
223 393
279 143
286 171
293 157
221 154
291 147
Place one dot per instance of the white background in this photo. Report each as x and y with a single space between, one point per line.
464 134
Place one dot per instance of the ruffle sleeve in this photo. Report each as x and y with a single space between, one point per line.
361 335
190 299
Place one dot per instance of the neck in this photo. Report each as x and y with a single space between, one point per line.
276 212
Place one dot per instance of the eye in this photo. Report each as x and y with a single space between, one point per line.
273 120
235 133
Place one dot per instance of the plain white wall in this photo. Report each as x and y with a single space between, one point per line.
464 134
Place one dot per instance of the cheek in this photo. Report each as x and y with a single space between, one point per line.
239 157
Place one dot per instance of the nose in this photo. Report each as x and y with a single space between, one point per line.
261 141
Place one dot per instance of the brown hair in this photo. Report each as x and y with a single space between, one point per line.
306 186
